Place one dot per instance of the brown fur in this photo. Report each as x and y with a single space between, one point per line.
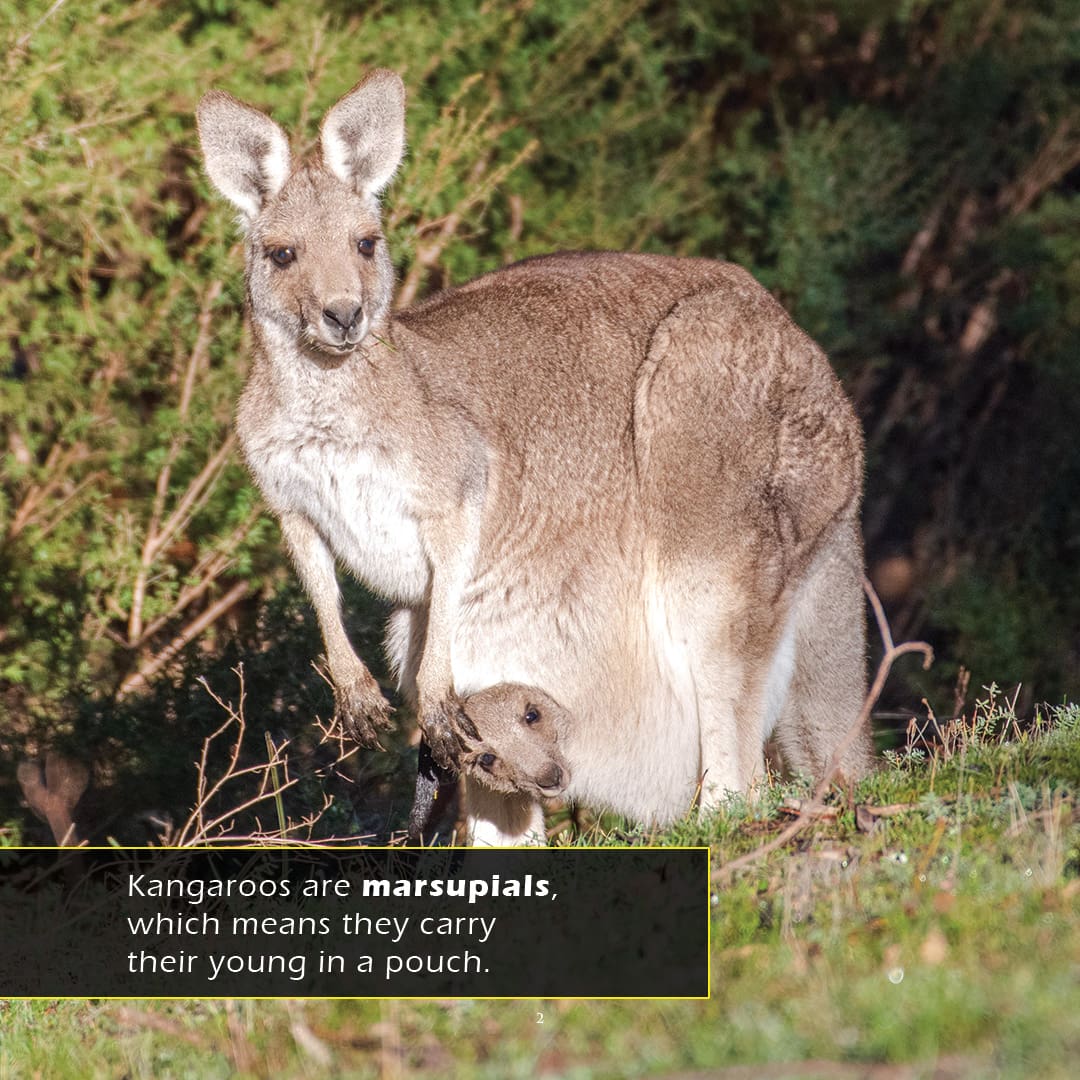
628 479
518 741
516 750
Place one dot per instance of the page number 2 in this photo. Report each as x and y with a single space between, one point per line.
539 1018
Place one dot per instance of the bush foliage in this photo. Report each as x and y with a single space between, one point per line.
903 176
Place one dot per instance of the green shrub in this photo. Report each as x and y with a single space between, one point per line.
890 171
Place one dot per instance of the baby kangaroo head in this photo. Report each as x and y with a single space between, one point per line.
318 272
518 746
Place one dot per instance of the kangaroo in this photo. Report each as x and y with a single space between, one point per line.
53 791
628 479
517 752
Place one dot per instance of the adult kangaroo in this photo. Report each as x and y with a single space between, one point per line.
628 480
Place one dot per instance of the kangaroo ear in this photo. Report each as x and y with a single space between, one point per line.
246 153
363 135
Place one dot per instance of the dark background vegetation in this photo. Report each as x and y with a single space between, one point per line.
903 176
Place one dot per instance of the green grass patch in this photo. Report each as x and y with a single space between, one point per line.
929 916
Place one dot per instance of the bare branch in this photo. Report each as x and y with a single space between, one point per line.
57 465
196 494
202 826
19 49
156 535
206 571
923 239
1056 158
428 252
151 667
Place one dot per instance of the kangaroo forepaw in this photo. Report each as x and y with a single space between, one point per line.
362 711
448 731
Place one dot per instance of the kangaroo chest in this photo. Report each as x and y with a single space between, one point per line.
356 493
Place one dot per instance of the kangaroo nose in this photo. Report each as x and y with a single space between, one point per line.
551 779
341 316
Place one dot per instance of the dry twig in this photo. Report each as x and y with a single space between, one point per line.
270 778
139 678
158 534
202 825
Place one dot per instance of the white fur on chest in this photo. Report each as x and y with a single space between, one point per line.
357 499
638 705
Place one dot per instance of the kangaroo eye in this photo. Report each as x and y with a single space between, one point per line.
366 246
532 714
282 256
485 761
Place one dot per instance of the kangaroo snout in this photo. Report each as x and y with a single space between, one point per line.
342 319
552 780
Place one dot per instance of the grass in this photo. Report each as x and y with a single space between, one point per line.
927 920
